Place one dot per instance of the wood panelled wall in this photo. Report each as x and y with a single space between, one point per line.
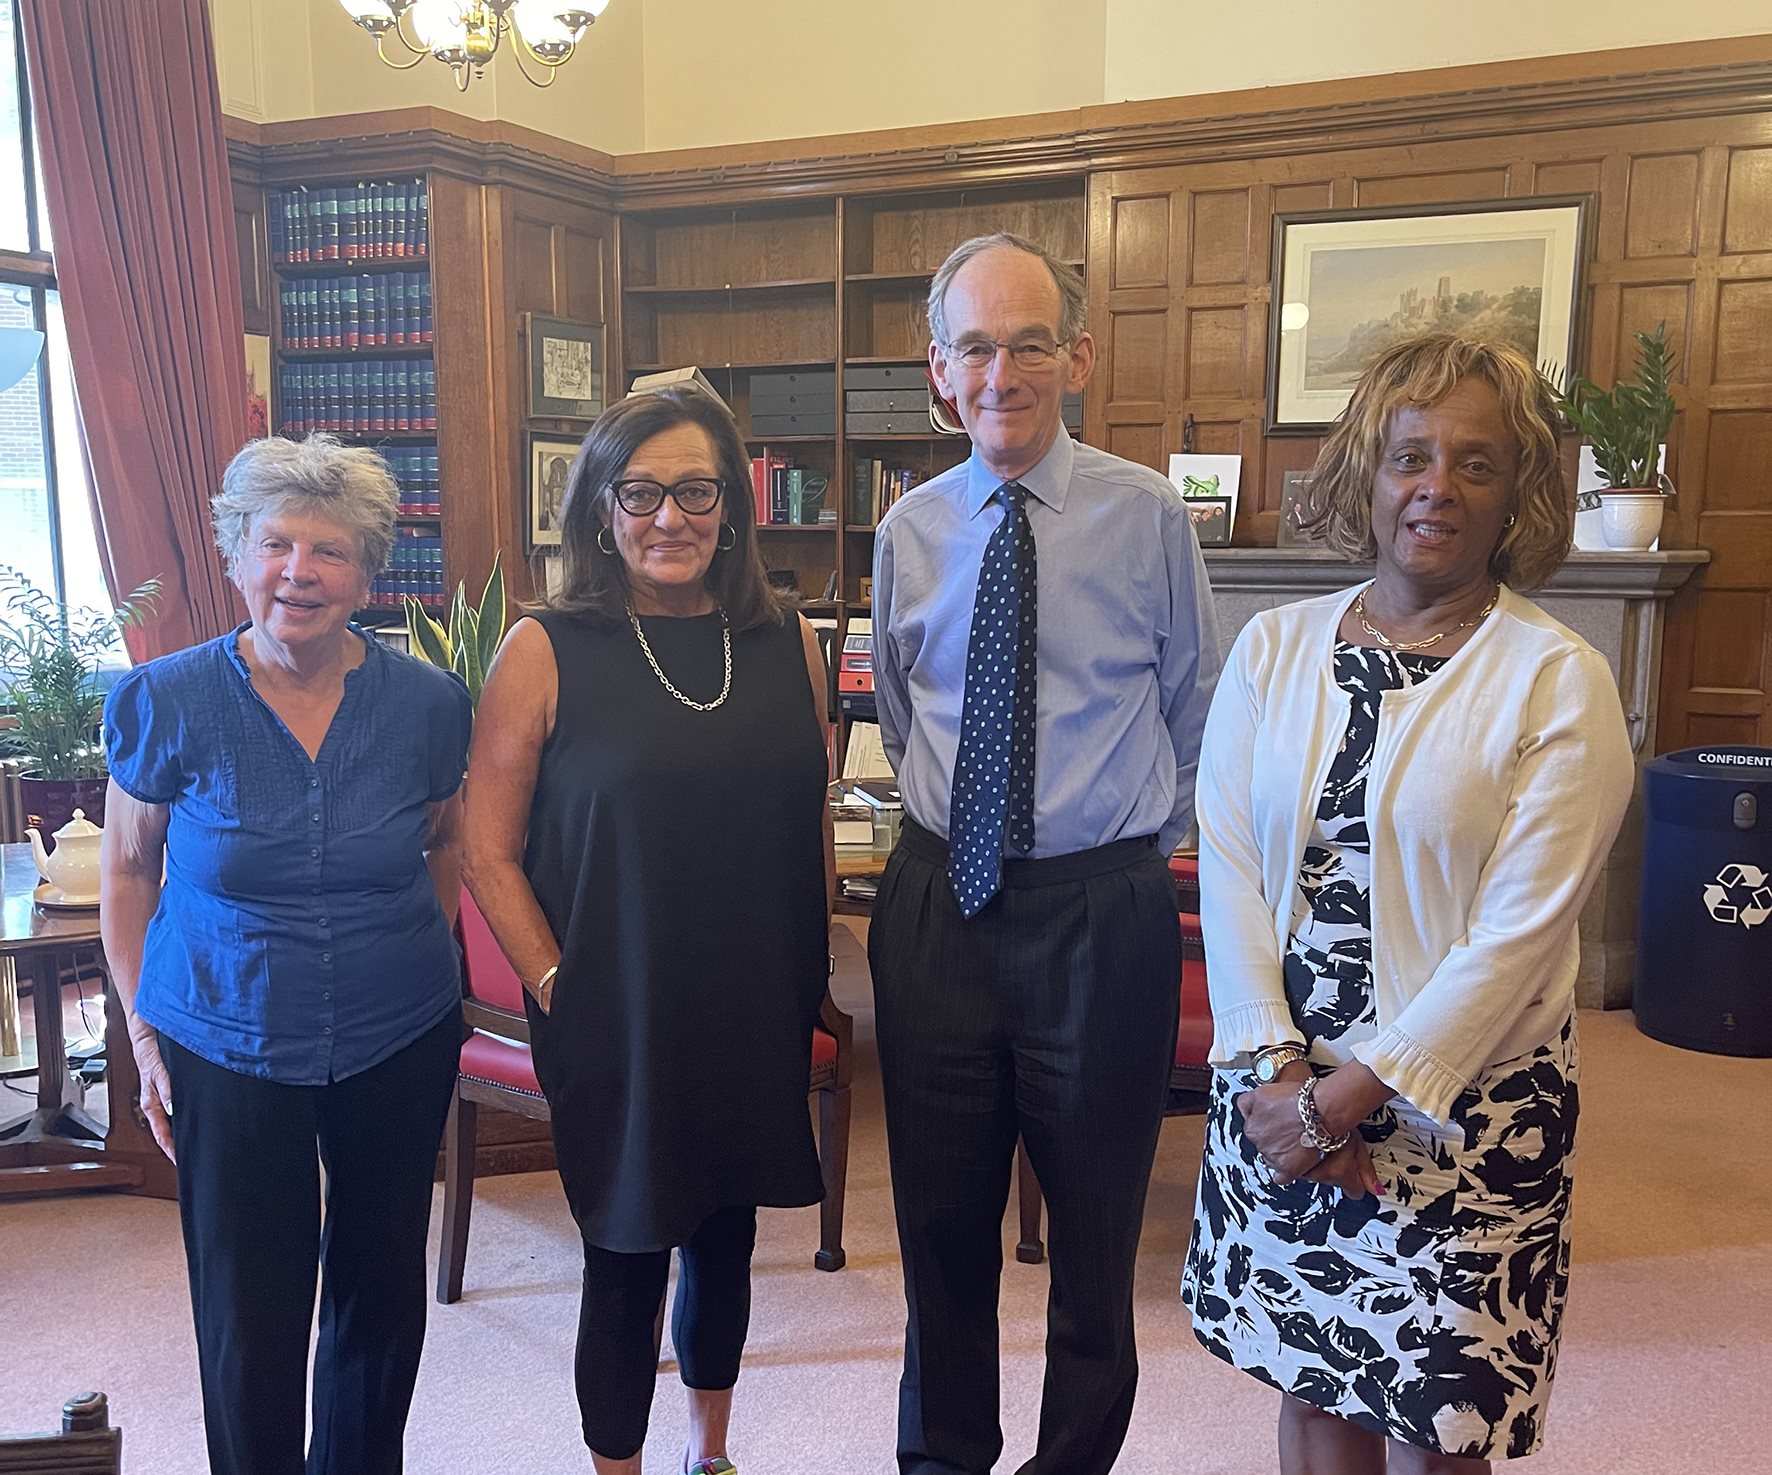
1673 144
544 255
1181 282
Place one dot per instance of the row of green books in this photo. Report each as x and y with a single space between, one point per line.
374 310
415 469
361 222
358 396
415 567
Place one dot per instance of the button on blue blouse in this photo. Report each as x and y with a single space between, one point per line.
298 936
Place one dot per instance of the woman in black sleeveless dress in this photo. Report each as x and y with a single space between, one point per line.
663 708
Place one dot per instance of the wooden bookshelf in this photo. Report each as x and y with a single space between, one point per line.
364 282
824 286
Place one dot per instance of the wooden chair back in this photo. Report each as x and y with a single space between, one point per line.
85 1445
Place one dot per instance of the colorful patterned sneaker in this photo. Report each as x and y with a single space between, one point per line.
718 1465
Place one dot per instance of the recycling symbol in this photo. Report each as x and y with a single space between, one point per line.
1739 894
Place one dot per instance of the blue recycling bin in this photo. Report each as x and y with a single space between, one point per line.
1704 933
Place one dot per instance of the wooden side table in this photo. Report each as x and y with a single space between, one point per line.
58 1146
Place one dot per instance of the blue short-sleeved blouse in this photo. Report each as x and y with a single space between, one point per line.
298 936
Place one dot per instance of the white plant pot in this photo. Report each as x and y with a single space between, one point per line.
1631 520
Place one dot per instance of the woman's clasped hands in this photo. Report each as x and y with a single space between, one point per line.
1274 1127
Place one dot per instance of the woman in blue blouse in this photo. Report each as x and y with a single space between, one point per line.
292 984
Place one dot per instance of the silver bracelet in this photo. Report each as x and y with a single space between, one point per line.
1315 1133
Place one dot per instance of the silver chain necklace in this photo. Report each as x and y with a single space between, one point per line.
658 671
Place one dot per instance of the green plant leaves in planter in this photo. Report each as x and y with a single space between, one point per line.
49 655
471 640
1627 424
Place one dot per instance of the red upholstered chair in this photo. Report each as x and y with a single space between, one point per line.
497 1070
1188 1079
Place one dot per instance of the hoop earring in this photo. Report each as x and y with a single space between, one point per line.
1509 523
602 547
730 534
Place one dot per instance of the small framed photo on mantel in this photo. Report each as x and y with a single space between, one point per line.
565 368
1202 478
548 460
1294 509
1212 520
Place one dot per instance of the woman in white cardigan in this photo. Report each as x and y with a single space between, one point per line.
1405 794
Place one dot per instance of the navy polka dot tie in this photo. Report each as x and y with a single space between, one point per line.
993 796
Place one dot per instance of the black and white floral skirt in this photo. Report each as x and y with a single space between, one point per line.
1429 1315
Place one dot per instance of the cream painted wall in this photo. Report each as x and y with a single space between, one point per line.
1159 48
663 74
719 72
264 58
284 59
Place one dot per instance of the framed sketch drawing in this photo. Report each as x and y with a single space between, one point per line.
548 459
565 368
1348 284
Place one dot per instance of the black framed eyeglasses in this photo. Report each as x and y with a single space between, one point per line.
697 495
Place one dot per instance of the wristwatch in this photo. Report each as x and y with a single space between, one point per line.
1269 1062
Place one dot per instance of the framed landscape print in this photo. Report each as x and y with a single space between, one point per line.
1348 284
549 460
565 368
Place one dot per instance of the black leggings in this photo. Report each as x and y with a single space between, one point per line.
249 1159
617 1357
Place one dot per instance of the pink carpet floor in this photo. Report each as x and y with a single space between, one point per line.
1666 1364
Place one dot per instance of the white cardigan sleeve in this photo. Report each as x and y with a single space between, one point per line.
1571 787
1243 977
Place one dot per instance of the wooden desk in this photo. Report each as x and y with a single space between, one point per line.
58 1146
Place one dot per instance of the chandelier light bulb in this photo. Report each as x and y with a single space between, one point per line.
437 23
466 34
548 34
372 15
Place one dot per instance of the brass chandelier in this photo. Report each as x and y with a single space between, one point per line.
466 34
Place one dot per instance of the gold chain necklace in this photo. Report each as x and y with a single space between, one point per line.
1389 644
658 671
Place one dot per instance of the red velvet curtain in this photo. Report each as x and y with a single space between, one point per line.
129 120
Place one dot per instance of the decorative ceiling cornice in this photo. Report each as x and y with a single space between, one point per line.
1476 112
427 138
1335 116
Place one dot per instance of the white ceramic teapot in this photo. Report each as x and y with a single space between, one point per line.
72 868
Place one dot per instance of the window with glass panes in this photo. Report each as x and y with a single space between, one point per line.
46 529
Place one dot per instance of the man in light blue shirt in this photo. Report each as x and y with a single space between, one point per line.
1044 654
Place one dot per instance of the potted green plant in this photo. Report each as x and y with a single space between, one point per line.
49 657
471 640
466 647
1626 426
